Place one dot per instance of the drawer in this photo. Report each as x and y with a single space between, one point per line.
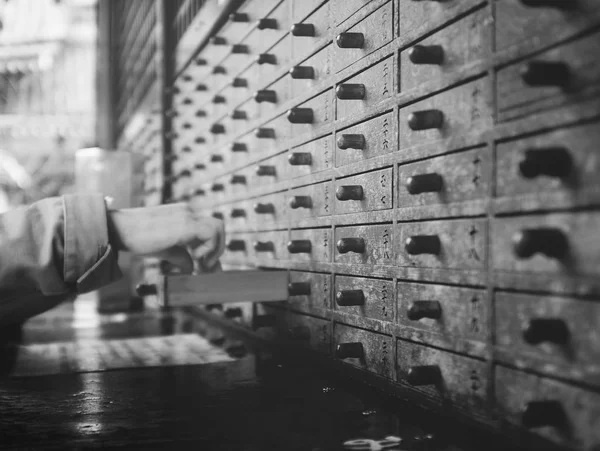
365 297
557 244
364 192
559 334
445 180
309 291
271 135
239 215
234 63
454 313
302 8
452 244
321 156
310 245
310 201
307 331
536 27
369 139
365 90
417 18
376 30
275 59
312 114
445 52
218 190
446 377
238 248
453 118
558 77
346 8
269 246
269 28
564 414
364 349
311 72
562 162
283 93
372 245
269 171
305 37
269 209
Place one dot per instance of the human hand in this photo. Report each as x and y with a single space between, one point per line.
178 233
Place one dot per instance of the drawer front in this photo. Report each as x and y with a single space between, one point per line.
275 249
377 31
558 331
321 156
319 291
461 244
277 130
378 244
239 215
376 136
454 379
322 113
572 415
517 99
461 43
378 297
377 349
455 313
524 166
269 209
321 20
346 8
320 240
260 40
282 52
536 27
573 244
283 91
269 171
464 109
376 192
302 8
238 256
319 203
448 179
320 63
306 331
377 82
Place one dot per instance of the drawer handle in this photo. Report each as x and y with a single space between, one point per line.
263 171
300 202
217 40
302 73
219 70
264 246
350 40
201 113
351 142
261 321
233 312
217 187
200 166
236 245
146 289
424 309
548 241
187 126
200 140
201 87
171 113
264 209
345 245
300 116
349 351
239 17
423 244
185 173
303 29
299 288
265 133
299 247
187 101
265 95
201 62
348 298
551 162
424 375
550 330
424 183
199 192
185 198
218 100
349 192
545 73
558 4
218 215
217 129
300 159
186 149
426 54
350 91
240 49
266 58
266 23
238 179
216 158
239 115
238 213
543 413
239 147
187 78
239 83
425 120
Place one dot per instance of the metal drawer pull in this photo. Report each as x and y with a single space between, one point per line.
217 40
239 83
303 29
552 330
216 158
238 213
201 87
239 147
426 54
263 209
238 179
349 192
267 133
349 351
239 17
200 140
264 246
424 375
350 91
236 245
424 309
350 40
551 162
300 159
218 187
425 120
345 245
219 70
347 298
200 166
185 173
300 202
217 129
299 288
262 171
239 114
218 215
300 116
199 192
267 23
266 58
423 244
265 95
351 142
424 183
299 247
240 49
548 241
545 73
302 72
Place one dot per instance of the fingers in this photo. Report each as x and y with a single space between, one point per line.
209 251
179 257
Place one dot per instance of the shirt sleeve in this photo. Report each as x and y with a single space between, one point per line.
54 249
